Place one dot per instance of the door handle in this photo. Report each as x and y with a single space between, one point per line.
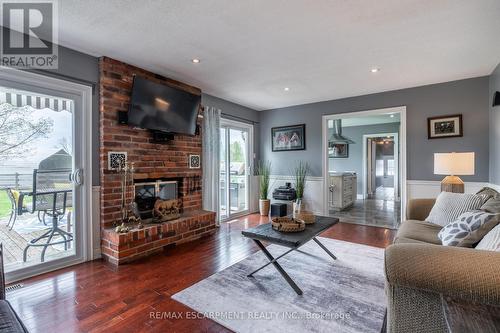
77 177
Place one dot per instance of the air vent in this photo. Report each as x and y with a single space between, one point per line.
13 287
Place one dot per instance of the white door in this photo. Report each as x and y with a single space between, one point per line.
235 168
45 173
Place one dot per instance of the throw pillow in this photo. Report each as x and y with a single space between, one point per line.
468 229
488 191
490 242
449 206
492 205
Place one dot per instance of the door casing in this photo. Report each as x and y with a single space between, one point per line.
229 123
82 143
401 110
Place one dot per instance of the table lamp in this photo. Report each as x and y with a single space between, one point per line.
453 165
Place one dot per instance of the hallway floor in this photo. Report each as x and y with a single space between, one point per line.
378 212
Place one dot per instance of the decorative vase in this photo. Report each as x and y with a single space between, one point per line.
297 208
264 206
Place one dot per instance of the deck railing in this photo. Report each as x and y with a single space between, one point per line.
16 180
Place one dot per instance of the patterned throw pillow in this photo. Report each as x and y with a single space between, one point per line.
449 206
468 229
490 242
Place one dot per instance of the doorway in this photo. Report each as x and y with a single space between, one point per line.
367 183
235 166
381 166
45 168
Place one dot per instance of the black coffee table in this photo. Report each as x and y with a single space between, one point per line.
293 240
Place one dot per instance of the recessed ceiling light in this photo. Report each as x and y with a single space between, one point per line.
375 70
195 61
286 89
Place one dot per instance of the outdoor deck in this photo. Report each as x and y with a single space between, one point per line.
26 228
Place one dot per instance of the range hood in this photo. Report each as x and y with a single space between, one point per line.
337 136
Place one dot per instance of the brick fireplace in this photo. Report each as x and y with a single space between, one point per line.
153 162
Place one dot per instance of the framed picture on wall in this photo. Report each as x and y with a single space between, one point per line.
338 150
445 127
286 138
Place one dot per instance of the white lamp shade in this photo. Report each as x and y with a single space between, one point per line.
455 164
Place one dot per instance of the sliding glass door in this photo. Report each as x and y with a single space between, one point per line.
235 153
42 190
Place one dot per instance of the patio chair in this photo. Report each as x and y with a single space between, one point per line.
51 195
13 196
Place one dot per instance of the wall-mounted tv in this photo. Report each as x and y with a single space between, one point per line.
163 108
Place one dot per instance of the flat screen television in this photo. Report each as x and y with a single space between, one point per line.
162 108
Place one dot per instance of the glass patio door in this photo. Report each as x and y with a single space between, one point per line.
234 169
41 175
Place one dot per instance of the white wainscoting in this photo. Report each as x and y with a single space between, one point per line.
254 194
96 222
430 189
313 192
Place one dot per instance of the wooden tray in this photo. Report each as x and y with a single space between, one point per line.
306 216
287 224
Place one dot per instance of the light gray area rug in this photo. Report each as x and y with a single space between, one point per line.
343 295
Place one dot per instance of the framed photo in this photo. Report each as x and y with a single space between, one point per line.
445 126
338 150
286 138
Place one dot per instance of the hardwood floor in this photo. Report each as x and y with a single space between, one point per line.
95 297
372 212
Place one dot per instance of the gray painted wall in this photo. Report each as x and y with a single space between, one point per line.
236 112
355 160
494 129
468 97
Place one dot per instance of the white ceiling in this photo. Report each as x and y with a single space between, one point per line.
321 49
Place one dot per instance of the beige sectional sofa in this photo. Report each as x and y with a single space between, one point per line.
419 270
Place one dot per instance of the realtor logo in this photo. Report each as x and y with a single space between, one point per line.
29 34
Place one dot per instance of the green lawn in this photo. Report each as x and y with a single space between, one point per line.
4 204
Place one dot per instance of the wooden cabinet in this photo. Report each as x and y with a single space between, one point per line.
343 190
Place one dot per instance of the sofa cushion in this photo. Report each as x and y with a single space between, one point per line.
9 321
491 241
492 205
419 231
449 206
468 229
404 240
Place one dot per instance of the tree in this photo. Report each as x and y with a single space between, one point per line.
18 129
236 152
65 145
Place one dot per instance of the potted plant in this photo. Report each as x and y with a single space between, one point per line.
264 171
300 173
